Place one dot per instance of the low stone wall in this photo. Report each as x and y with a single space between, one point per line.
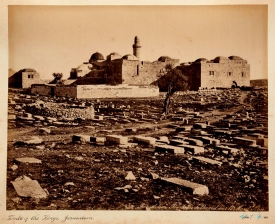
96 91
120 91
43 90
66 91
59 110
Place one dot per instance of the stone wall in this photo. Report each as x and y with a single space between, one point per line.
120 91
66 91
96 91
43 90
61 110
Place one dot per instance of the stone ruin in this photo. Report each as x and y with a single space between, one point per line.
61 110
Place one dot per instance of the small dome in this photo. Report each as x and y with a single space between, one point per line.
28 70
185 64
163 58
130 57
97 56
217 59
235 58
201 60
115 54
84 67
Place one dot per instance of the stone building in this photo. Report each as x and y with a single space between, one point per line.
24 78
127 69
130 76
220 72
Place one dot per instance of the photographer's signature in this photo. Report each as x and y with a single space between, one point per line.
253 216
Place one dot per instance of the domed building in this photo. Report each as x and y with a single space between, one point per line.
164 58
96 57
129 69
130 57
220 59
201 60
113 56
224 72
235 58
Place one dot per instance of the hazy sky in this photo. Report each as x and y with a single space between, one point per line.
57 38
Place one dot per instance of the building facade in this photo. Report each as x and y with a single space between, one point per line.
24 78
127 69
223 72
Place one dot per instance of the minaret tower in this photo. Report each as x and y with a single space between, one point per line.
136 47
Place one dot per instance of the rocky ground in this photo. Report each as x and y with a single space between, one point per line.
80 175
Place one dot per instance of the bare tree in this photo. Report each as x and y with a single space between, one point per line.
175 81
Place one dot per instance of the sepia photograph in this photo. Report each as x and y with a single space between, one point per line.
138 108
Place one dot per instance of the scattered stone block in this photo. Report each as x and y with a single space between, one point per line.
211 141
14 167
28 160
45 131
116 139
179 137
130 176
199 125
169 148
194 188
181 128
128 145
26 187
11 117
176 142
145 140
198 132
193 141
33 141
98 140
81 138
99 117
163 139
207 160
40 147
244 141
154 176
193 149
229 149
131 130
173 126
256 135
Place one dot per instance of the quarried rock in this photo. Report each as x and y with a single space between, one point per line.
81 138
192 187
145 140
193 149
169 148
130 176
33 141
45 130
28 160
116 139
26 187
207 160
